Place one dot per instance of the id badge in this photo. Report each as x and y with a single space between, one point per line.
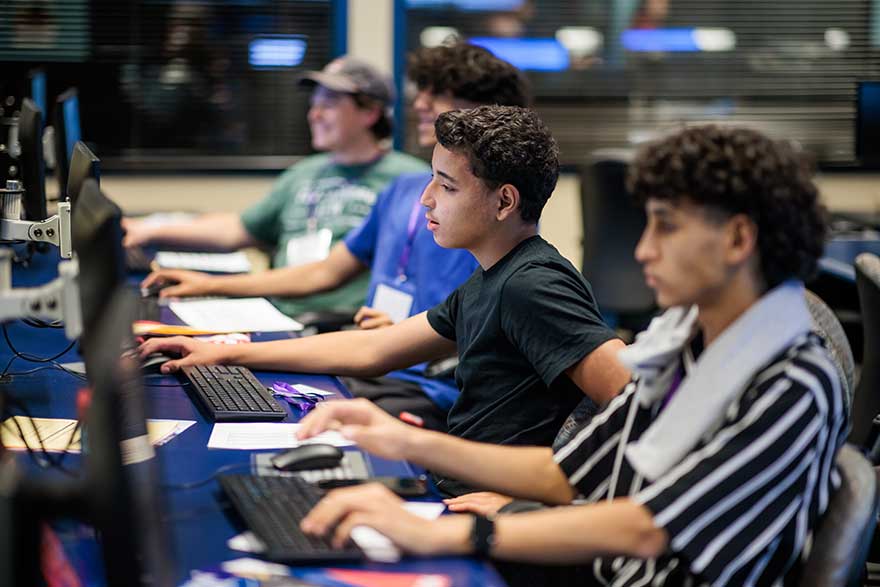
310 247
393 300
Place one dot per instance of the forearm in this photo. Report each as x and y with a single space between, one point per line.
283 282
356 353
521 471
565 535
302 280
220 231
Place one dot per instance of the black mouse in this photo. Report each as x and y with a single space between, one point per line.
152 363
308 456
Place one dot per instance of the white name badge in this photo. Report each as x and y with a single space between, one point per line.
310 247
393 302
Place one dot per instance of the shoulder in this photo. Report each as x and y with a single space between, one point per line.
540 267
805 370
405 187
305 166
403 162
408 182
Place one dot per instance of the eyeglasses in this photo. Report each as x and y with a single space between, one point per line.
301 400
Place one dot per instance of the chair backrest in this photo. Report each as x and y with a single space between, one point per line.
843 537
866 402
826 325
612 224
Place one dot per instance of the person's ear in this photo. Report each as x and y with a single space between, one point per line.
742 239
508 202
371 115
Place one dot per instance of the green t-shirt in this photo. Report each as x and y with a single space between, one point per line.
340 196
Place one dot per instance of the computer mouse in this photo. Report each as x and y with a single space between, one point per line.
152 364
308 456
153 290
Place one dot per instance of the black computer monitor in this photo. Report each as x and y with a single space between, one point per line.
37 82
126 505
868 123
83 165
97 242
65 121
33 171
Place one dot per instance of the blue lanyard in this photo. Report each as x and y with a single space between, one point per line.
403 262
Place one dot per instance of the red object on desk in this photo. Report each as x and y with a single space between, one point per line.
383 579
410 418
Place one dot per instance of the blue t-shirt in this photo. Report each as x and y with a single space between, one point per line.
433 272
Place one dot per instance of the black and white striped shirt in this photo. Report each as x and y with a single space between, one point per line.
741 507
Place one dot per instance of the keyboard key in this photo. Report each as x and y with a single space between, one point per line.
231 394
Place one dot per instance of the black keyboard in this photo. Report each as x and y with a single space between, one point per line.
272 507
231 393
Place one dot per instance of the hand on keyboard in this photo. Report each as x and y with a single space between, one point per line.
192 352
179 283
375 506
361 421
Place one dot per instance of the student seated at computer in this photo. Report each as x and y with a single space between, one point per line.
527 331
318 200
715 465
409 272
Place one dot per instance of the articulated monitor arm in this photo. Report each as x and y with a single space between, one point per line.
57 300
54 230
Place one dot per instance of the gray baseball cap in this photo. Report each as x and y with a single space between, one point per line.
352 76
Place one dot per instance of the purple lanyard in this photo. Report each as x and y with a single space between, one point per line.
403 263
673 387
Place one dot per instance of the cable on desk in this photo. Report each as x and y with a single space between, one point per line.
46 460
16 354
37 323
196 484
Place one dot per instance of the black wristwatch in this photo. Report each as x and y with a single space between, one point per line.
483 535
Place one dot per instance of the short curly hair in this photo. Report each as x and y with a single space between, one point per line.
469 73
740 171
505 144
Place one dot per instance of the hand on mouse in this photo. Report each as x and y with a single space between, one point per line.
192 352
361 421
137 232
376 506
185 283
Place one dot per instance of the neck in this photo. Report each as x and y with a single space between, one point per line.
500 243
722 310
358 152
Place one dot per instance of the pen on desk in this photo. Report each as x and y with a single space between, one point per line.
411 418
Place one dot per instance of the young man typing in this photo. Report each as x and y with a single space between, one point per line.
409 272
529 336
715 465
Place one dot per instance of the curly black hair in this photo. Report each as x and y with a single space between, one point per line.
740 171
505 144
469 73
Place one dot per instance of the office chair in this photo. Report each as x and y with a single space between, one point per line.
612 224
866 402
841 542
826 325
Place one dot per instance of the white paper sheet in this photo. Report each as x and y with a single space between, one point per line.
234 315
214 262
266 435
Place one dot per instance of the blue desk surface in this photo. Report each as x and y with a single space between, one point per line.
199 525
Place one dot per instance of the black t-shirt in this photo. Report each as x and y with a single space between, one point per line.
518 327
